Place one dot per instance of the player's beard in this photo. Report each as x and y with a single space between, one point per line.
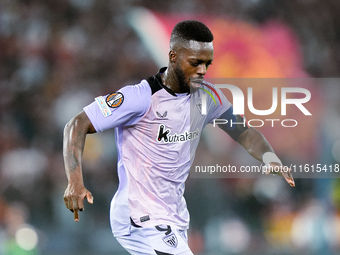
183 85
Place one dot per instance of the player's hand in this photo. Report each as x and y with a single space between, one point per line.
74 198
284 171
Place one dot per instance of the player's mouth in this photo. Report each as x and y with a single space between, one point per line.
196 82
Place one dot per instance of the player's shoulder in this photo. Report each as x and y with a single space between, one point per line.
136 96
137 91
141 87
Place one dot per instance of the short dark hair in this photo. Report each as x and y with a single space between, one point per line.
191 30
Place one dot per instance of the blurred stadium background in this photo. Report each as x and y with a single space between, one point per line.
56 56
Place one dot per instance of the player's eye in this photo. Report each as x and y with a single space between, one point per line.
194 64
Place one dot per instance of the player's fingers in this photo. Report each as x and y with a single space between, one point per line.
273 168
80 203
66 201
69 204
89 197
74 204
76 215
267 169
286 173
290 182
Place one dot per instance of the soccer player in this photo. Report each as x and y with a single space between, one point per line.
157 126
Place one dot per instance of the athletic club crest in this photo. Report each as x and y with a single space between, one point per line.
171 240
199 104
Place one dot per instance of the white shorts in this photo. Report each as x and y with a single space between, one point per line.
158 240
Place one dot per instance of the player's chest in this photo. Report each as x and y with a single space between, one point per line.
170 111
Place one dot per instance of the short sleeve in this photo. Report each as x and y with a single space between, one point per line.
126 107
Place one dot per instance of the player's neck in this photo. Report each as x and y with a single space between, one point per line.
170 81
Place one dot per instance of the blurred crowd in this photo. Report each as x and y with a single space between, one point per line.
56 56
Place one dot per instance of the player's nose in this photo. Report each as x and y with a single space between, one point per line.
202 70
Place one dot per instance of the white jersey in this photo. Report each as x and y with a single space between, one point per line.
157 133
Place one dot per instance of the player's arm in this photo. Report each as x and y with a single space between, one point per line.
75 133
255 144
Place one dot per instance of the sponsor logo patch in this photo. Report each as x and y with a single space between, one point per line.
115 100
171 240
103 106
164 135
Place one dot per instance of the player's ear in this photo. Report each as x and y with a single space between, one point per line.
172 56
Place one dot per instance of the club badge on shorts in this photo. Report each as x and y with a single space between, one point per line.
115 100
171 240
